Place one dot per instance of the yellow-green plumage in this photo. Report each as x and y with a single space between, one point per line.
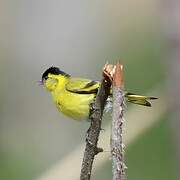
74 105
73 96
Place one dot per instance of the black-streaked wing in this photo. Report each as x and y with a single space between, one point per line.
82 86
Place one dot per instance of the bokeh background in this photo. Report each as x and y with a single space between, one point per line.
38 142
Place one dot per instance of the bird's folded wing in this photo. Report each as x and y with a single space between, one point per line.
82 86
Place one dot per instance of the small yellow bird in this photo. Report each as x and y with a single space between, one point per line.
73 96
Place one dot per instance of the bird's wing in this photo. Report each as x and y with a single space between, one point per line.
82 86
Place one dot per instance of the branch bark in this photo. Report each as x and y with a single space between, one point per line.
93 132
118 167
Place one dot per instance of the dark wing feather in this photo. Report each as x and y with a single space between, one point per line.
82 86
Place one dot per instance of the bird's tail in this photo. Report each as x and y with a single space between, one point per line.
138 99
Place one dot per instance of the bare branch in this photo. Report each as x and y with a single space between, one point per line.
118 167
93 132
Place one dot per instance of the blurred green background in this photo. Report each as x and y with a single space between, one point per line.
79 37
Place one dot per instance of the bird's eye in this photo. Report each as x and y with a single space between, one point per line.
45 77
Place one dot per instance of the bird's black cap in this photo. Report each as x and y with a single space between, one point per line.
55 71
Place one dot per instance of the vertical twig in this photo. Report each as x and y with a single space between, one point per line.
118 167
96 113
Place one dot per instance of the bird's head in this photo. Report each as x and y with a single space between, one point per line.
53 77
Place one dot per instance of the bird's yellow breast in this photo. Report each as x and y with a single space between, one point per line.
73 105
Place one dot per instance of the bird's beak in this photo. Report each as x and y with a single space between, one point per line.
40 82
